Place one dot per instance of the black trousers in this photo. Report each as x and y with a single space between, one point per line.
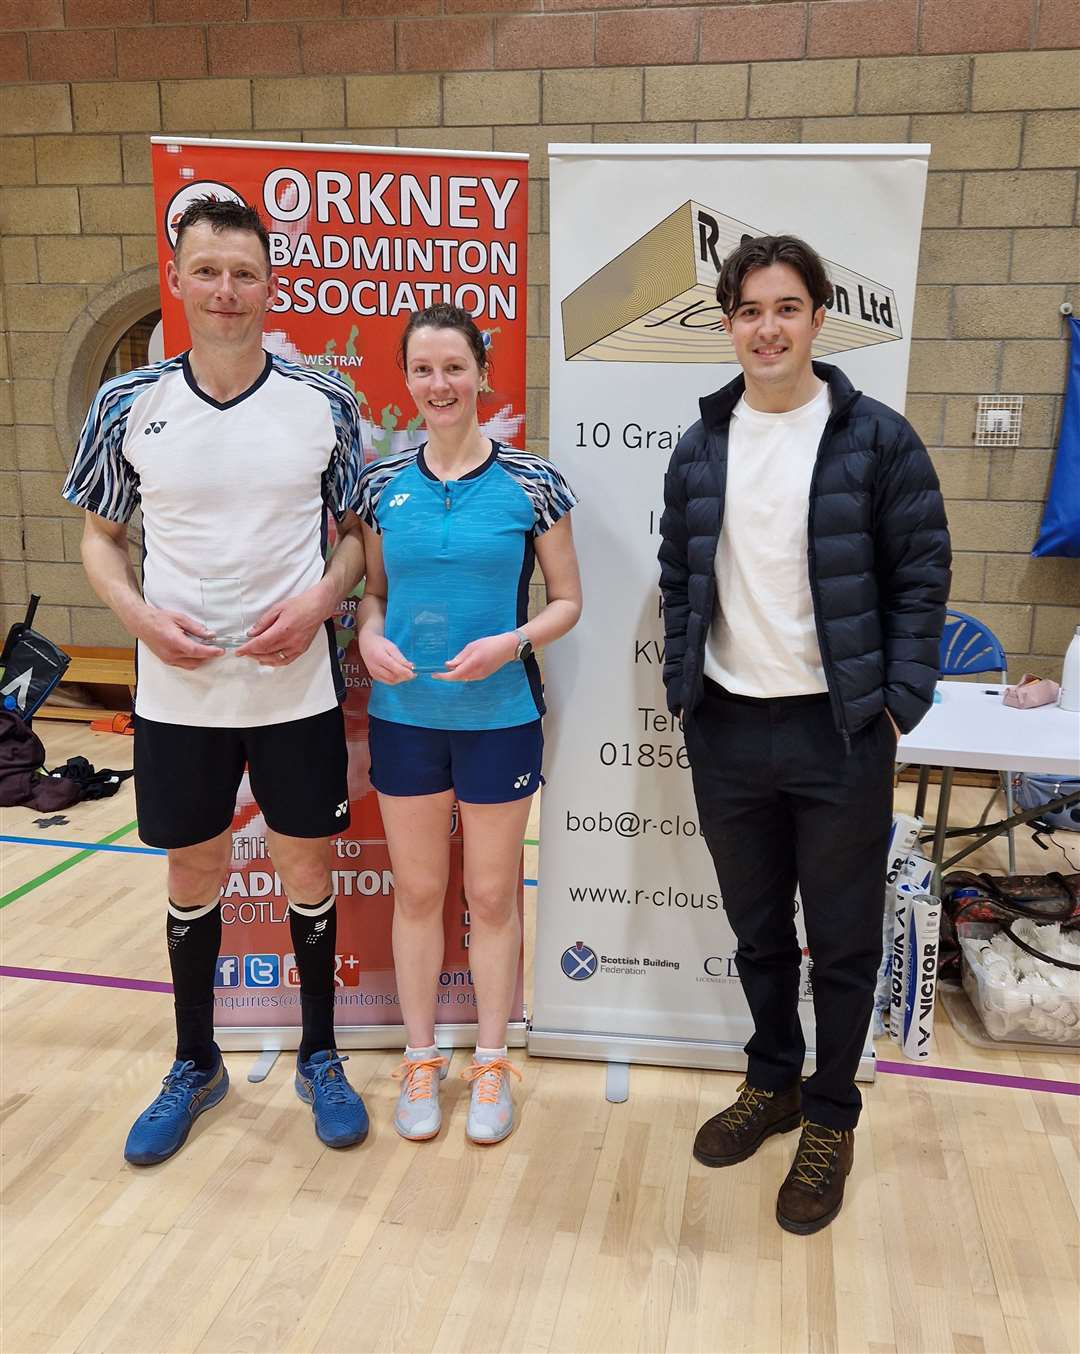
783 803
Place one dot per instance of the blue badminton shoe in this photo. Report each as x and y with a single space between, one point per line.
340 1117
163 1126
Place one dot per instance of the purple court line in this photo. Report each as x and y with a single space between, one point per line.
911 1069
53 975
979 1078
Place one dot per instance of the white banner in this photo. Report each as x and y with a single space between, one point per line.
634 958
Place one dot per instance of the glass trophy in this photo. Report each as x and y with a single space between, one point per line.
430 646
223 611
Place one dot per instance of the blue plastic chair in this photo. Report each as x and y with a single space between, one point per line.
968 646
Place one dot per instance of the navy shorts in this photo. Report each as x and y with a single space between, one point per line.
186 778
481 766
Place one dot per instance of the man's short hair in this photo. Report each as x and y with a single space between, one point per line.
223 214
761 251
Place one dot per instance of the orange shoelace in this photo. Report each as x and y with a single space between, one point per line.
490 1075
419 1077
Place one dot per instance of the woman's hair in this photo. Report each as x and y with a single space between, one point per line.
761 251
442 316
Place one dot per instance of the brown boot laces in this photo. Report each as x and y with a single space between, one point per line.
749 1102
816 1154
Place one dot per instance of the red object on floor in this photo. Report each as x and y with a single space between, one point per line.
118 724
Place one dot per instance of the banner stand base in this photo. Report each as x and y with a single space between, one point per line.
618 1051
271 1040
260 1068
617 1086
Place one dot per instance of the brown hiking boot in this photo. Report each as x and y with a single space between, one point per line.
737 1132
813 1192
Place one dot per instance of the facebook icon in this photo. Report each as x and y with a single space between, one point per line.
227 971
261 970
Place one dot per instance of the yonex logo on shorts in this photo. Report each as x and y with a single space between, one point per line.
154 427
399 499
522 781
342 809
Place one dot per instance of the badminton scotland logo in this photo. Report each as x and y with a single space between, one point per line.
578 962
656 301
191 192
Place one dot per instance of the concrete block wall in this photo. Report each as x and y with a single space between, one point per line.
993 84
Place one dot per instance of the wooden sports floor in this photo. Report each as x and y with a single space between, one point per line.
590 1229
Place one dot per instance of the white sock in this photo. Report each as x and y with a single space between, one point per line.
415 1054
191 913
488 1055
314 909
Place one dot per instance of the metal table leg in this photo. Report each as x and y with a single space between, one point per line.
942 824
920 794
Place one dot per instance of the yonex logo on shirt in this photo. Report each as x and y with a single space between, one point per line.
154 427
399 499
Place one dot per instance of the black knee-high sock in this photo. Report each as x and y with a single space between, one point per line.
314 937
194 936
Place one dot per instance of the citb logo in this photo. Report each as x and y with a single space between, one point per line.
261 970
578 962
227 971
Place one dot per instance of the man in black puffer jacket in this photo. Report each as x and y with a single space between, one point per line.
804 571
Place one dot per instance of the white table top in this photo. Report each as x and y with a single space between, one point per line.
970 727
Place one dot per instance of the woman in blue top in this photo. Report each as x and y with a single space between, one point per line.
452 530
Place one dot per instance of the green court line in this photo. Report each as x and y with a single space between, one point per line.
64 865
532 841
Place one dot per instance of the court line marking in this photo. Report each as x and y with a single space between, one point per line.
65 864
889 1068
978 1078
53 975
85 846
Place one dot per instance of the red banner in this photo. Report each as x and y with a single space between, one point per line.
360 238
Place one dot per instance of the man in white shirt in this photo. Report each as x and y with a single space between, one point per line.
233 455
804 570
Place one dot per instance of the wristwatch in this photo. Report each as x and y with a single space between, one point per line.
524 646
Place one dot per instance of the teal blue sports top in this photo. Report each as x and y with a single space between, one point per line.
459 558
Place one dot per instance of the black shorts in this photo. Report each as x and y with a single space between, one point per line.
186 778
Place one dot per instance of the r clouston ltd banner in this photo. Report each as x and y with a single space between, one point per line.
634 956
360 237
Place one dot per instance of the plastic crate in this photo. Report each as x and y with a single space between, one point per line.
1008 1011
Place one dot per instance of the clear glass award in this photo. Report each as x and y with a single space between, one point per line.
223 611
430 647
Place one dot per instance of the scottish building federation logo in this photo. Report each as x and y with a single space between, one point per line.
656 301
578 962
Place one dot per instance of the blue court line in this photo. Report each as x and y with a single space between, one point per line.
127 850
84 846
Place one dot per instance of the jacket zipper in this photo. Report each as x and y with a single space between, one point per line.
839 718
